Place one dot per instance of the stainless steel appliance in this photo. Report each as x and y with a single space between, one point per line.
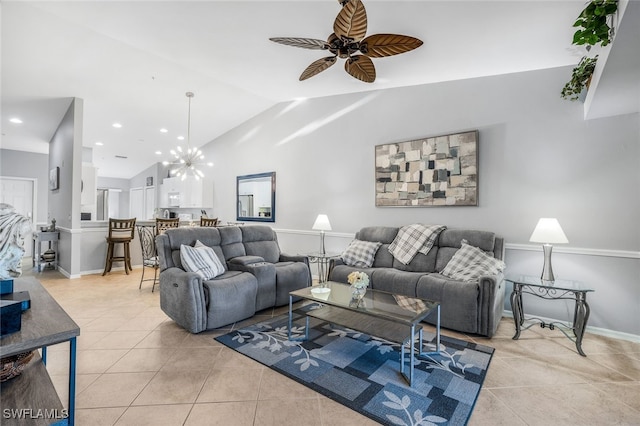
108 203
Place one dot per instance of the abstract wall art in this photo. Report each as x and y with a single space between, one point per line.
54 178
434 171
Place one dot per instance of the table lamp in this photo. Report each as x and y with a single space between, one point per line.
548 231
322 224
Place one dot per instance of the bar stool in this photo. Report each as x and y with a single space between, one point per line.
164 224
120 232
205 221
147 235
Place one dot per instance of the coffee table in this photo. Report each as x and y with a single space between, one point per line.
390 316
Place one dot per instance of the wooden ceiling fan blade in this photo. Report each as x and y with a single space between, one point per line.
317 67
305 43
351 22
361 67
381 45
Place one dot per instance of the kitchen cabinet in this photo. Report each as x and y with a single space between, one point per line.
187 193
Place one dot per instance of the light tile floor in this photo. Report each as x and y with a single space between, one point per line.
137 367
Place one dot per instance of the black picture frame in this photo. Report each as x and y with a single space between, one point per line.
263 190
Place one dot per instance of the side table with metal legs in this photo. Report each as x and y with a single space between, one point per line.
322 260
551 290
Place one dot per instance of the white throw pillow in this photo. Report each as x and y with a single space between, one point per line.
202 260
361 253
469 263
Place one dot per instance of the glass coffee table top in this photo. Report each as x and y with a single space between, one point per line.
376 303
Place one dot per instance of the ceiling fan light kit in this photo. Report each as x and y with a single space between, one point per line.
348 38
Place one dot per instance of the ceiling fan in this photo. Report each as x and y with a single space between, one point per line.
347 39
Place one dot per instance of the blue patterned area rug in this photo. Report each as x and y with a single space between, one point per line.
362 372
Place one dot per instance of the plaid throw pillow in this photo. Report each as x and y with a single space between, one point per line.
361 253
201 259
469 263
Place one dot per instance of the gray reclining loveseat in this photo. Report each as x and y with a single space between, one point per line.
256 276
469 307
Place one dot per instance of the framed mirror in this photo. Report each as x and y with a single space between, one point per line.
256 197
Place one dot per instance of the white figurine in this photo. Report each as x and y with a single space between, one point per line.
13 229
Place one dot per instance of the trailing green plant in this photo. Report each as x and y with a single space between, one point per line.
580 77
593 23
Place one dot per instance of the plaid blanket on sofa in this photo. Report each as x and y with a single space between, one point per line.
414 239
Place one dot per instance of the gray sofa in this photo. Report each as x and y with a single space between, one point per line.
257 276
469 307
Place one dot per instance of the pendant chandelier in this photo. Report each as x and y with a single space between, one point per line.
187 162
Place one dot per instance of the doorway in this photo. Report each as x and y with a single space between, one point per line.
19 193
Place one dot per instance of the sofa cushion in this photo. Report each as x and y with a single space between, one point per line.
383 234
420 262
261 241
340 272
393 281
469 263
231 242
459 308
450 241
201 259
230 298
361 253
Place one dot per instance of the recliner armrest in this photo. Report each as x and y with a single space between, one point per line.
333 262
294 258
183 299
245 260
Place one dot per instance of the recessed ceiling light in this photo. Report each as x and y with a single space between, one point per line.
163 130
158 152
99 143
180 138
15 120
117 125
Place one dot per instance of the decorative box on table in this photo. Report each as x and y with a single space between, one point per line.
10 316
6 286
19 296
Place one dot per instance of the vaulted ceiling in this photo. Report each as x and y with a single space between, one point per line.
132 62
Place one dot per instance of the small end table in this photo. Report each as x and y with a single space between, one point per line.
322 259
551 290
40 237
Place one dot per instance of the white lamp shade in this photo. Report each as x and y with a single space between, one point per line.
548 230
322 223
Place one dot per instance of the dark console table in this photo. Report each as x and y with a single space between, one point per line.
30 398
551 290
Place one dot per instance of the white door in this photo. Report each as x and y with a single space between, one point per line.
19 194
136 203
149 202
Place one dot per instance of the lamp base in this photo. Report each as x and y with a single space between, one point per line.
547 270
322 243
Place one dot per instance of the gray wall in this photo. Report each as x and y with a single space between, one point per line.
538 157
29 165
65 152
